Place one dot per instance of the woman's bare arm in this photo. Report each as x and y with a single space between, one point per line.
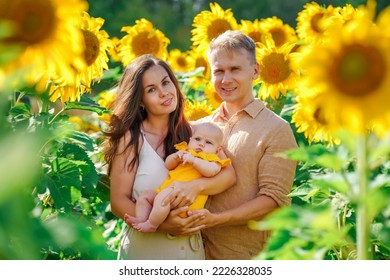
122 181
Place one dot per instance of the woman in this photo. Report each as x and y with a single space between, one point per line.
147 121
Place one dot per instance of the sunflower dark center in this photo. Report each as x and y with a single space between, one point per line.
181 61
274 68
278 35
217 27
35 22
143 44
319 116
256 36
315 22
358 70
92 47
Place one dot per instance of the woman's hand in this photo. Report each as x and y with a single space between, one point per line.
182 194
176 225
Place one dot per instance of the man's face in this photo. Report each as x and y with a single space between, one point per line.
233 74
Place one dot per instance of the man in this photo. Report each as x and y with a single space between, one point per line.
253 134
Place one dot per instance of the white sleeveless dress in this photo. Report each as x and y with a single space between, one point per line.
135 245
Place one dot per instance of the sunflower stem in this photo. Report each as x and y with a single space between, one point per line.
362 221
56 115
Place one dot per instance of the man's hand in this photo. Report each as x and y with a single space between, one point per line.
208 219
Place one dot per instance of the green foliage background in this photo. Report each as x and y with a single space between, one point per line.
174 17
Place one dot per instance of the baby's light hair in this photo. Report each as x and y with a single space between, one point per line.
210 127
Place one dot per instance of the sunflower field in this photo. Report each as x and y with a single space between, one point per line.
329 77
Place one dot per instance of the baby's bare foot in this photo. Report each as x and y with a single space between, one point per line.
145 227
133 220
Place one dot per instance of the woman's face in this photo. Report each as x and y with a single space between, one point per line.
160 94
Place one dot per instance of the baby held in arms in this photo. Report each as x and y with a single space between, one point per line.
198 158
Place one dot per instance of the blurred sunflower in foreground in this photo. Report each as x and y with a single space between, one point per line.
349 73
310 120
314 20
44 33
142 38
96 47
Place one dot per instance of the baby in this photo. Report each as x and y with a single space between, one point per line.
190 162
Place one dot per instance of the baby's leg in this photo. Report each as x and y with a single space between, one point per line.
143 207
158 213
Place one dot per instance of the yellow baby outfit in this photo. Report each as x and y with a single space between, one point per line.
186 172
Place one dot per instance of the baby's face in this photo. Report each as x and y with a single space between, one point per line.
202 142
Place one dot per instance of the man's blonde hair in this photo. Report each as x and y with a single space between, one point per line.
232 40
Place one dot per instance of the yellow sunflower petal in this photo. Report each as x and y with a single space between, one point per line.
197 110
209 24
253 29
45 30
280 32
97 46
179 61
351 68
142 38
212 96
277 72
314 20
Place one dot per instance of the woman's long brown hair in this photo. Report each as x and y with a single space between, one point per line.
128 114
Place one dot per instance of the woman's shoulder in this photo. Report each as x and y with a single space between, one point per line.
126 139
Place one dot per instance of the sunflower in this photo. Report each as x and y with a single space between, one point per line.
82 124
352 70
197 109
209 24
179 61
66 91
45 31
347 12
313 21
280 32
106 100
277 71
252 29
212 96
142 38
113 51
97 44
197 60
309 118
383 21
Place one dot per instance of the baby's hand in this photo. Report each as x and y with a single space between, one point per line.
179 156
188 158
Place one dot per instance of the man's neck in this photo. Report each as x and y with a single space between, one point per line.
231 108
